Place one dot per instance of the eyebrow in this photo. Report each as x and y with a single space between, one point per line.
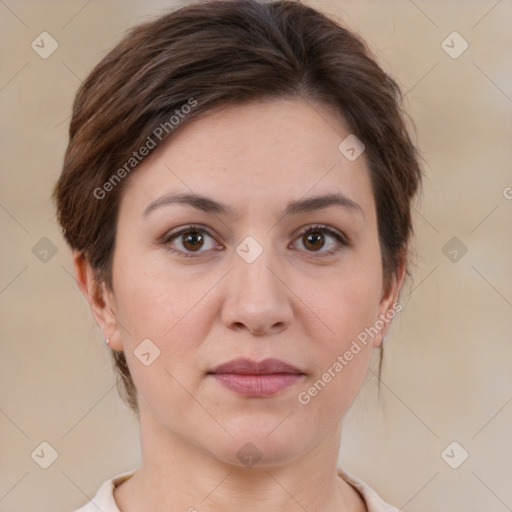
297 207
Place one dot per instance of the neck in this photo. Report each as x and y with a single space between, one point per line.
176 475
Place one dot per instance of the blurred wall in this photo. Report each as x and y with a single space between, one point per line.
448 360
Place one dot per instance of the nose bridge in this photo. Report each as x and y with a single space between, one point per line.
256 266
256 296
253 266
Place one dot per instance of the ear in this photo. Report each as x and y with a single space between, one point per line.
100 299
389 306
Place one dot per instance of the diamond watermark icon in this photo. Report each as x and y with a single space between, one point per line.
44 45
44 250
454 249
454 45
44 455
146 352
249 249
454 455
249 454
351 147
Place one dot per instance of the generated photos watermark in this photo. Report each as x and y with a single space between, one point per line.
362 339
157 136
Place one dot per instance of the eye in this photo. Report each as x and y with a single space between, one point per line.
314 238
191 239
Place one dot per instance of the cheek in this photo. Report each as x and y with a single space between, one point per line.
352 312
176 318
174 311
348 308
156 301
351 300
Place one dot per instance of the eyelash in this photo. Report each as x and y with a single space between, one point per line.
317 228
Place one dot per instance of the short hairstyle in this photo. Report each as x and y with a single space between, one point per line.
207 55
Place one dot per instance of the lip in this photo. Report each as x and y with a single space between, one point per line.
243 366
257 379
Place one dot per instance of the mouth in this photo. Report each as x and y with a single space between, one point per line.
257 379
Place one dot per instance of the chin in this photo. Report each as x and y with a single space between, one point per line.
266 446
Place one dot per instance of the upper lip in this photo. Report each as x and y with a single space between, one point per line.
249 367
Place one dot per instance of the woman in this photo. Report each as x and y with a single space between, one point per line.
237 194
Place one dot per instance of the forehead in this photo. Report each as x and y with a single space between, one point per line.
263 152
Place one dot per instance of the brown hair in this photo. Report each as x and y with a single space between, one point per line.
214 53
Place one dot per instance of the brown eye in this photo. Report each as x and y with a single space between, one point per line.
192 240
189 242
316 238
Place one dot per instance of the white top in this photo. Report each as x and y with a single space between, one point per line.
104 499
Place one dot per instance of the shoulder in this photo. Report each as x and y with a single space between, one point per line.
104 498
373 502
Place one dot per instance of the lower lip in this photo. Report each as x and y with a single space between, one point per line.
258 385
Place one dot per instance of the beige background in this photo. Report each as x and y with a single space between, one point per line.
448 371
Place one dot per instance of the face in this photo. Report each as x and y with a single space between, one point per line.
257 271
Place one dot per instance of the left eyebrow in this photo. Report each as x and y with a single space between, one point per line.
297 207
320 202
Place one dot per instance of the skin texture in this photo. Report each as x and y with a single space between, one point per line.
293 302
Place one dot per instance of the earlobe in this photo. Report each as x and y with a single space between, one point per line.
389 305
100 300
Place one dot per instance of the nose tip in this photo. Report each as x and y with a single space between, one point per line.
256 299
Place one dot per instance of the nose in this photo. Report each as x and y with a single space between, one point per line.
257 297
